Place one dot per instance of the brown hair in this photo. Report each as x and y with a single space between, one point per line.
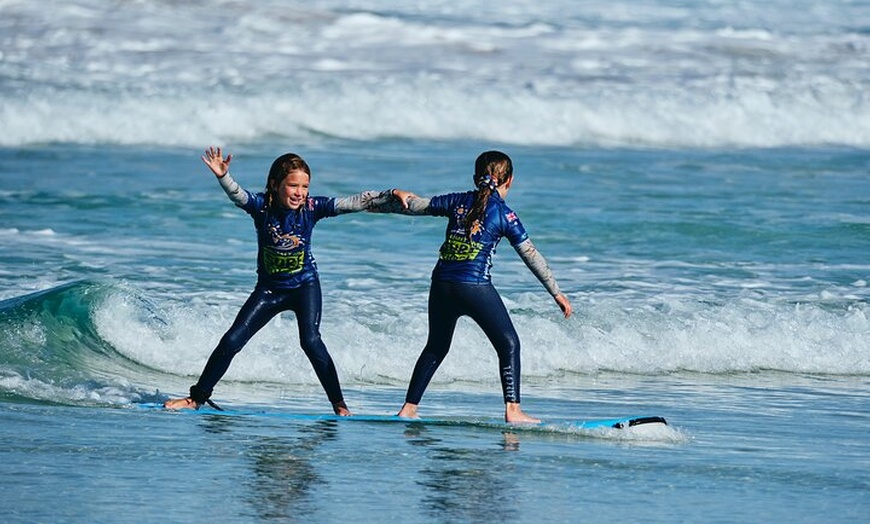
491 169
281 167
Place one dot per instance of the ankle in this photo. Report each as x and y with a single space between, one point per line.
408 410
512 407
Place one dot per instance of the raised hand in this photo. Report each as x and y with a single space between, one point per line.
215 161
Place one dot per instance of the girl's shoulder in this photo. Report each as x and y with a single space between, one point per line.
256 202
496 201
446 203
455 197
498 209
313 202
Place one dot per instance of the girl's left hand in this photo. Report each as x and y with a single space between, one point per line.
564 304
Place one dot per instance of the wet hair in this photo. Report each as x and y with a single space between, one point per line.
491 169
281 167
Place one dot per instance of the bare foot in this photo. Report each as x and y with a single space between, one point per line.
408 411
340 409
180 403
514 415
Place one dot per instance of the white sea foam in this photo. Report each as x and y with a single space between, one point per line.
381 341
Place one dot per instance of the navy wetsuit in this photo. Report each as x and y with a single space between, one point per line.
461 285
287 280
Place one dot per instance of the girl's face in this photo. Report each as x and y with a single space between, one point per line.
292 191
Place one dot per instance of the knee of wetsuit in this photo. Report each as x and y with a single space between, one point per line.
232 343
312 345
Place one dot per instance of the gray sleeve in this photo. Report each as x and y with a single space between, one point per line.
538 265
366 200
233 190
416 206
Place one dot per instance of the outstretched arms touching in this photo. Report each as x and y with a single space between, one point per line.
403 202
374 201
366 200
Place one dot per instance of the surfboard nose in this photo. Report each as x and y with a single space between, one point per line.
640 421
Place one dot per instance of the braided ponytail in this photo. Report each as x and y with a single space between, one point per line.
492 169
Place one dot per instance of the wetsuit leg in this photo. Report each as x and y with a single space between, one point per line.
261 306
443 315
308 307
484 305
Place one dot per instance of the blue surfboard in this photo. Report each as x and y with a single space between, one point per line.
573 424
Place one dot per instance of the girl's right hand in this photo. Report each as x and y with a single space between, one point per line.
403 197
215 161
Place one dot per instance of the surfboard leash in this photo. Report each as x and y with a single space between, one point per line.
211 403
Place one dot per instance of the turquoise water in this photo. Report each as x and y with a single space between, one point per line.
734 306
695 174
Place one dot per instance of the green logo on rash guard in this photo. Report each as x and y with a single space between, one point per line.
279 262
457 248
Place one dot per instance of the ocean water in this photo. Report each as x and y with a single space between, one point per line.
696 174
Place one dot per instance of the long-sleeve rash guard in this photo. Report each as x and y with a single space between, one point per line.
284 257
461 260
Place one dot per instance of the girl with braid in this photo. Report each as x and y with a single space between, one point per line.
284 217
461 283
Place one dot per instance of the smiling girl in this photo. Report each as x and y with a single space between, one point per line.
284 216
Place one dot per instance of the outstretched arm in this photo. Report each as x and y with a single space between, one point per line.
220 166
538 265
406 203
367 200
